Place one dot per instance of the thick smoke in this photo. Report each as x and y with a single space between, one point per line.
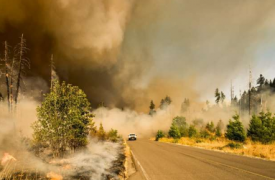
145 126
128 121
13 130
84 36
113 48
208 43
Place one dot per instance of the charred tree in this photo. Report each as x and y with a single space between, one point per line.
21 46
249 92
11 84
23 63
6 59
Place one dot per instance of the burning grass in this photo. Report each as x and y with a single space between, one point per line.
100 160
248 148
14 169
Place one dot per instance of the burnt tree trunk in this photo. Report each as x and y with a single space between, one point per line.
7 73
21 53
11 85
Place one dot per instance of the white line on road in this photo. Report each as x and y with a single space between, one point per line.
143 171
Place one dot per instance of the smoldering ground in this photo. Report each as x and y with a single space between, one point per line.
12 128
113 48
94 162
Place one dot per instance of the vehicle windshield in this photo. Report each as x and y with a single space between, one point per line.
132 134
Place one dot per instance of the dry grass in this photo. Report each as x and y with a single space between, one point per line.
248 148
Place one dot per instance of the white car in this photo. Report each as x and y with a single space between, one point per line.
132 137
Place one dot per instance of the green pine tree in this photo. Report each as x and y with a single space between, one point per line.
160 134
180 123
185 105
217 96
262 128
235 130
101 134
192 131
261 80
152 108
210 126
222 97
164 103
113 135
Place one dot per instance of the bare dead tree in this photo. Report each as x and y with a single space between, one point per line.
23 63
6 59
249 91
11 83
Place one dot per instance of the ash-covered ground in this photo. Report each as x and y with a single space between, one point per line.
99 161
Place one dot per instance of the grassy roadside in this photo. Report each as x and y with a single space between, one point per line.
129 164
248 148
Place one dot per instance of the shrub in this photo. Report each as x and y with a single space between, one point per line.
199 141
175 141
101 134
174 132
233 145
180 123
235 130
112 135
212 138
210 126
204 133
192 131
262 128
160 134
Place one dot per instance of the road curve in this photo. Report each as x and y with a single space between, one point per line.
163 161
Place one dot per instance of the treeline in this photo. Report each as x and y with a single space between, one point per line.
256 99
261 129
164 103
197 129
252 101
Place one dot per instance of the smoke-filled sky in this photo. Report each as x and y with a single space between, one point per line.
126 52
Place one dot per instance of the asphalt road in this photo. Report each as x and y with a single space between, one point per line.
163 161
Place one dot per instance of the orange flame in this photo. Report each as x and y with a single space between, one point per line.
7 158
54 176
